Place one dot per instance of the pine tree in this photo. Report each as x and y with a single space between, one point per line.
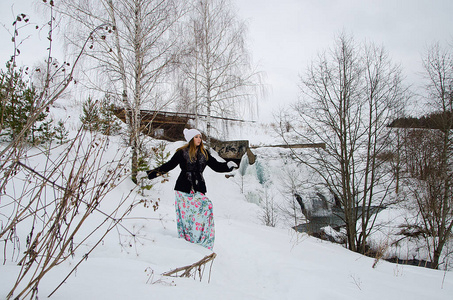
42 133
99 116
61 133
159 154
110 124
18 99
90 115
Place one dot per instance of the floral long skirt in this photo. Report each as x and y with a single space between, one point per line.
195 218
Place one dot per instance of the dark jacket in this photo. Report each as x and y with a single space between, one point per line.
191 176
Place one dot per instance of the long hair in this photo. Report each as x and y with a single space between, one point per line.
193 150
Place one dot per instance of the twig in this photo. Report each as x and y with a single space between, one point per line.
193 268
357 282
64 189
39 175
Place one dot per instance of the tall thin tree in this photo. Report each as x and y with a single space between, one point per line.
134 60
349 94
217 68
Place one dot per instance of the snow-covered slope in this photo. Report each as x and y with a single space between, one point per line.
253 261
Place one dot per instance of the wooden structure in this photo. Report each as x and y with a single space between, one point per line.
164 124
170 126
294 146
160 124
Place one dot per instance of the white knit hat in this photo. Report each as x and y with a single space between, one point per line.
190 133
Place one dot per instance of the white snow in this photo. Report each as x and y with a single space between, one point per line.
253 261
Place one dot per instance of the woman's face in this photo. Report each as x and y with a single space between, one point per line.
197 140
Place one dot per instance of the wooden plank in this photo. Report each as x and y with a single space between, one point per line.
314 145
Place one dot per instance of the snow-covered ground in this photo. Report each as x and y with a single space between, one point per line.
253 261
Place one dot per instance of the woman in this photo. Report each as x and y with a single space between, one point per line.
194 213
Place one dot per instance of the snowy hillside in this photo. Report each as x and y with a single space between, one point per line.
253 261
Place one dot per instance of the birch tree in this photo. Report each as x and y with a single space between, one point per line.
134 60
217 69
348 95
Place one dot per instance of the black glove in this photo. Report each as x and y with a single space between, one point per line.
152 174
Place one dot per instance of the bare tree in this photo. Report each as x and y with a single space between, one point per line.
291 187
132 63
349 95
217 69
269 209
429 158
46 204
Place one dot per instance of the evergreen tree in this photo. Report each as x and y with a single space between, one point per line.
42 133
110 124
159 154
90 115
100 116
18 98
61 133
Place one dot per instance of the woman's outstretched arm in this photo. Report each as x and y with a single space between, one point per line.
221 167
166 167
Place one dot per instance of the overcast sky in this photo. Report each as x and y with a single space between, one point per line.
285 35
